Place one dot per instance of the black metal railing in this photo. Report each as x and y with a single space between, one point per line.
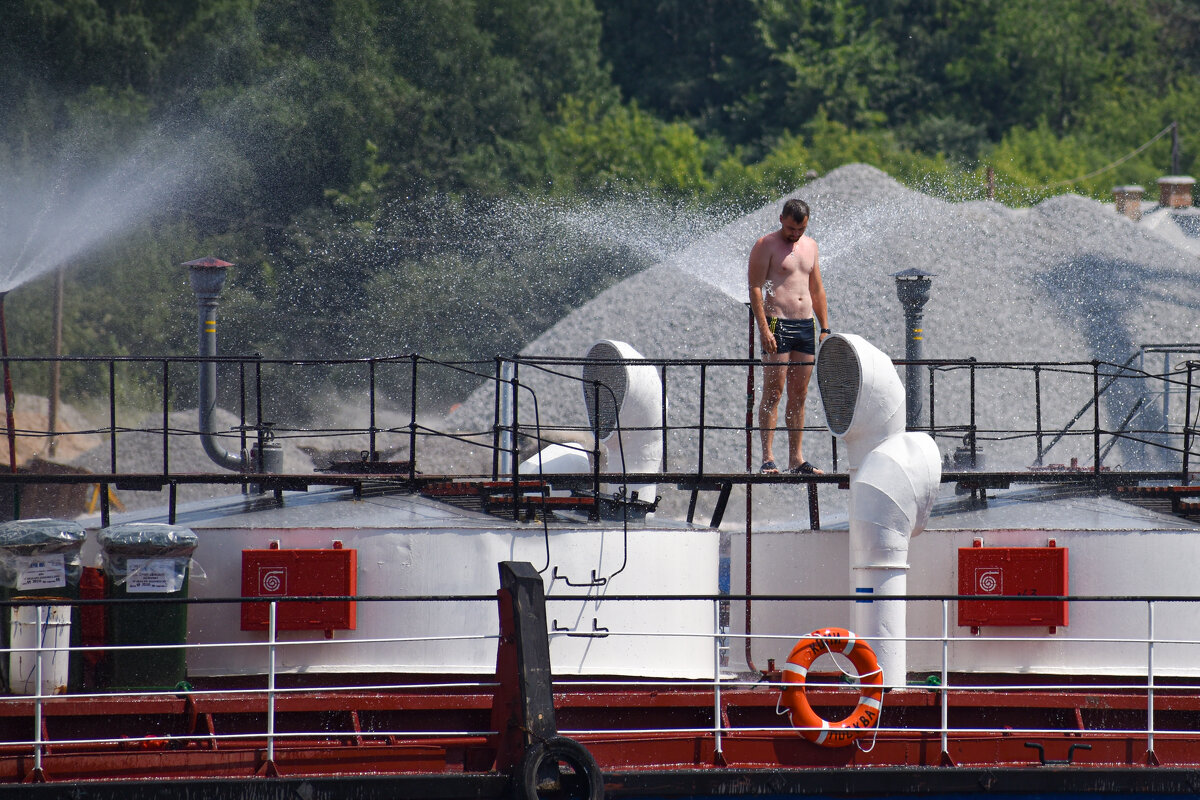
1027 410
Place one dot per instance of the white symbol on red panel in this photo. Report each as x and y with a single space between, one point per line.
272 580
989 580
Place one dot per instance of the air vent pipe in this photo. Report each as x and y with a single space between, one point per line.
625 409
894 478
207 276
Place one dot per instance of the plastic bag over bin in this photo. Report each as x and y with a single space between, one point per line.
150 557
40 554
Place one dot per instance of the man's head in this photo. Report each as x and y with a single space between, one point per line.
794 219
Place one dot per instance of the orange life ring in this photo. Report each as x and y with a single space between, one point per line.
870 700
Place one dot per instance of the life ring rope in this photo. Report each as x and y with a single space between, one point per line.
869 676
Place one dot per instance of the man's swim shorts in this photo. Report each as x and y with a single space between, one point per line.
794 334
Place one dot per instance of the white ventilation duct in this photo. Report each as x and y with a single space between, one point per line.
624 402
558 459
894 479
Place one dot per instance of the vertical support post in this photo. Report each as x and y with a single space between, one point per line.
1037 410
112 416
971 432
104 505
663 408
271 652
1187 422
1166 403
1150 679
371 454
932 398
750 396
496 417
1095 416
38 744
700 455
945 700
242 443
514 451
717 726
166 417
412 423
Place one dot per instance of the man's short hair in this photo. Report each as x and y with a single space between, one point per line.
796 209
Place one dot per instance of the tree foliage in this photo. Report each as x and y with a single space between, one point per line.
376 168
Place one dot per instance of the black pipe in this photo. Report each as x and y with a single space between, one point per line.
912 287
207 276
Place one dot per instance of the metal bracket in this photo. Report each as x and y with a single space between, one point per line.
597 631
595 581
1069 760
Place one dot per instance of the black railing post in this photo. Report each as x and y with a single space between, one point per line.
496 422
700 455
932 426
663 406
412 422
112 415
973 432
242 445
596 445
371 455
166 416
1187 422
104 506
1096 416
258 411
514 444
1037 410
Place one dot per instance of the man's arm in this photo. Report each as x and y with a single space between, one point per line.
760 264
816 288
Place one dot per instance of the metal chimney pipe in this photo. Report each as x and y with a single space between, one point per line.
207 276
912 287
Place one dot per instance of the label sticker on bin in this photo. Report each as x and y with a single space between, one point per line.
47 571
157 575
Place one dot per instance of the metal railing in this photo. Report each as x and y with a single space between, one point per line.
709 426
943 690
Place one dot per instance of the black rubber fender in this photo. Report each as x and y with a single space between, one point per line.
541 775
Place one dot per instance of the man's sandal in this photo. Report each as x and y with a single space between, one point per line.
769 468
805 469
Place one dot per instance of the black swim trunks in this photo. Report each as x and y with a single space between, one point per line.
794 334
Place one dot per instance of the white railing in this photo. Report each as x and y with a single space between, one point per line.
729 685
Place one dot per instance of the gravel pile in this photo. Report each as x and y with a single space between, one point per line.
1067 280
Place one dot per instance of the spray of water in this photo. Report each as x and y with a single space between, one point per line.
50 222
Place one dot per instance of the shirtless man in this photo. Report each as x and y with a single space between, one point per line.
788 301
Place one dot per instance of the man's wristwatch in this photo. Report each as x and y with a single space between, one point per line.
826 330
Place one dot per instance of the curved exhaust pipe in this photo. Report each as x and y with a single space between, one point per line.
894 479
207 277
625 409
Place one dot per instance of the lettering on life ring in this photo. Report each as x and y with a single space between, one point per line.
870 700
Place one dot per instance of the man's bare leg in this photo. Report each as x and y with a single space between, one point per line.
799 375
774 378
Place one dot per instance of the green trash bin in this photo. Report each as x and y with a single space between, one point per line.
146 561
39 558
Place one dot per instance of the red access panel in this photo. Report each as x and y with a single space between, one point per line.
1012 571
300 573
